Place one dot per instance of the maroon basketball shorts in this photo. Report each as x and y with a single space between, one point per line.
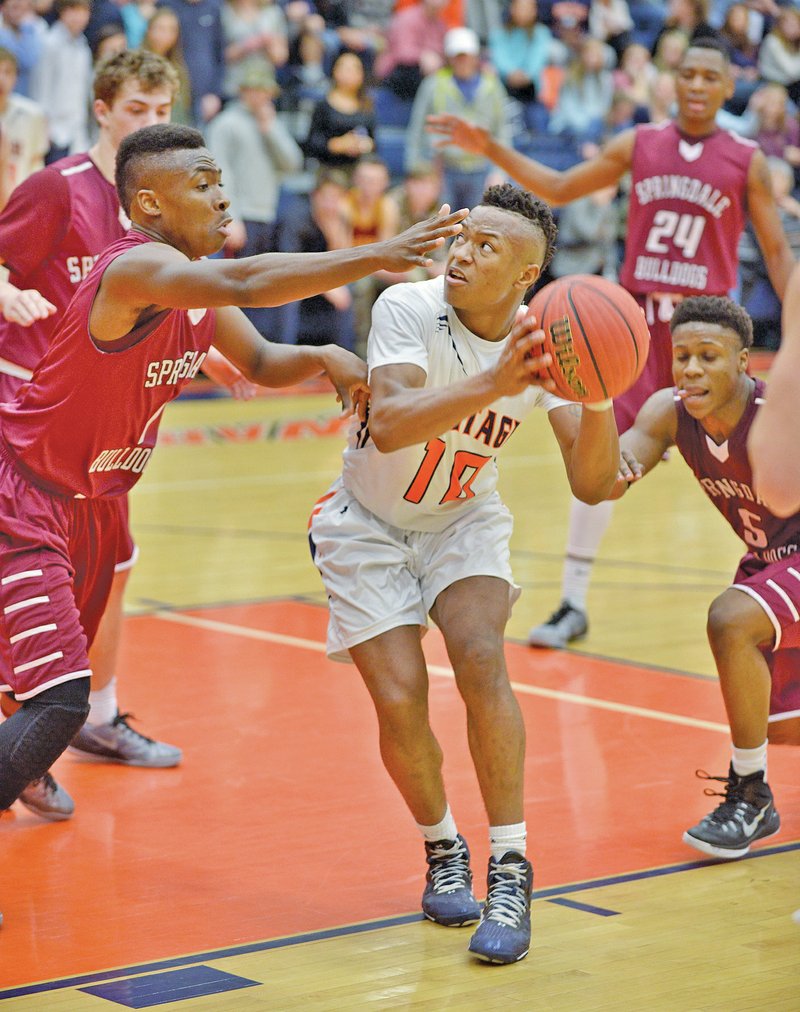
657 372
57 562
776 587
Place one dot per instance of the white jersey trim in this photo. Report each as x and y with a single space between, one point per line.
75 169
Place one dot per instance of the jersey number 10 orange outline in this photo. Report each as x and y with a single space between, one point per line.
462 461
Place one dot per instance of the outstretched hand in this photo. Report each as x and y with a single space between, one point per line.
348 374
630 471
455 130
411 248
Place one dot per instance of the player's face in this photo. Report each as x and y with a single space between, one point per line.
708 363
132 108
193 208
703 83
487 260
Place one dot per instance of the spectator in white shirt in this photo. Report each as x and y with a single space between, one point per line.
62 80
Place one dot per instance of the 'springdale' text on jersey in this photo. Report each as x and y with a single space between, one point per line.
725 474
52 230
425 487
87 422
687 211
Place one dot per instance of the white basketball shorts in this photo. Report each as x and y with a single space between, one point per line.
379 577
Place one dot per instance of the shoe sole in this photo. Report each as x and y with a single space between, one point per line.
453 924
496 960
48 816
726 853
164 765
541 645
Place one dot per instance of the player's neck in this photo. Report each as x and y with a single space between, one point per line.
696 128
484 323
104 156
721 424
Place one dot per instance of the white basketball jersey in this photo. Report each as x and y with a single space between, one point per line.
427 486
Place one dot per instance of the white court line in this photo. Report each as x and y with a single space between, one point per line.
445 672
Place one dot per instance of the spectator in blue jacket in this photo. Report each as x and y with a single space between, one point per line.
203 51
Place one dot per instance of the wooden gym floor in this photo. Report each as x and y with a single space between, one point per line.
277 868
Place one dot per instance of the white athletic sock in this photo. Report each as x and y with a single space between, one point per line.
502 839
587 525
444 830
103 704
749 760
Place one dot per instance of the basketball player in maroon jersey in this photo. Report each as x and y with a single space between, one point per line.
691 184
80 433
51 232
753 626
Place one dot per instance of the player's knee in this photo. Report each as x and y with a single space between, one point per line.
478 655
48 723
730 619
401 707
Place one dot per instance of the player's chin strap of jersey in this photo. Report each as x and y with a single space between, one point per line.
35 736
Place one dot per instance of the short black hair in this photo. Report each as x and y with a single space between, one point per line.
710 42
508 197
144 144
714 309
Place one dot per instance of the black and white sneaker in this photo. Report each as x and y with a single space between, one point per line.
564 625
747 814
448 898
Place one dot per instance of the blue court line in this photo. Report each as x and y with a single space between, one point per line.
586 907
363 926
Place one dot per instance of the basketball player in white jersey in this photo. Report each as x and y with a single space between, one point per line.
415 526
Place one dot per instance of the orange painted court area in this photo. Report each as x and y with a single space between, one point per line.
282 820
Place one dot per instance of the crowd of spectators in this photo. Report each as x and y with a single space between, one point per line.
315 109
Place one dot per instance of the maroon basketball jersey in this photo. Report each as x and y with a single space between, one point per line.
87 422
51 232
725 474
687 211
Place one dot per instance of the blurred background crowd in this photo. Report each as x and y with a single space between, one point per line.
315 110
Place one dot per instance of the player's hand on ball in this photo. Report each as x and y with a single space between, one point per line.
523 361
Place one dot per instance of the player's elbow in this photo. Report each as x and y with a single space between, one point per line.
595 489
385 437
386 429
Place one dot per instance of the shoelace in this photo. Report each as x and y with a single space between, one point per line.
506 901
448 868
47 781
735 805
121 720
557 616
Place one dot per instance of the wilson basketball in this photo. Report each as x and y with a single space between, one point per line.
596 333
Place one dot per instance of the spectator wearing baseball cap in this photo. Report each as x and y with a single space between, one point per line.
463 88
